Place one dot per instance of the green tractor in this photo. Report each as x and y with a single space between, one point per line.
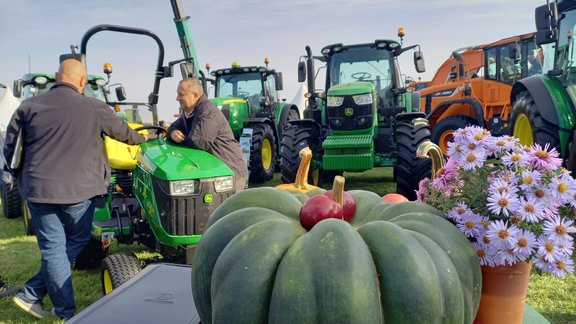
248 97
543 110
365 119
161 193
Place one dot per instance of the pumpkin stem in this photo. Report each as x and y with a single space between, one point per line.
301 180
430 150
338 189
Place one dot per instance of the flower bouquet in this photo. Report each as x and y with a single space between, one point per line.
515 203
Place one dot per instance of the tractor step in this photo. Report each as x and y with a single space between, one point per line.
348 153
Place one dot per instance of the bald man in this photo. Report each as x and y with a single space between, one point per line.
203 126
64 167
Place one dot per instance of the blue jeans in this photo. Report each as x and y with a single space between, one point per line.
62 231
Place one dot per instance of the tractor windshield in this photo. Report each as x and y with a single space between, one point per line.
362 64
566 52
244 85
31 89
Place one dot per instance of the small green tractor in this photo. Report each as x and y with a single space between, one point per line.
365 119
161 193
248 97
544 105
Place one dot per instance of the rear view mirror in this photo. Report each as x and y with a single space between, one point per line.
419 63
279 81
187 70
17 88
546 23
120 93
75 56
301 71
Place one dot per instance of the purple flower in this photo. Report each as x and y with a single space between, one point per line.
543 159
530 210
562 266
526 241
502 202
502 236
470 224
558 230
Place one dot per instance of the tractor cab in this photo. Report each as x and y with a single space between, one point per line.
257 86
33 84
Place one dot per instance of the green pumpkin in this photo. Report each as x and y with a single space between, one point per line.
258 265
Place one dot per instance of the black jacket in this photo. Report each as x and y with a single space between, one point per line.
64 159
208 130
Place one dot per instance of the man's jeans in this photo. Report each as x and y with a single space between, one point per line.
62 231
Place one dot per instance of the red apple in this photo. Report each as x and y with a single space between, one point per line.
394 198
318 208
348 204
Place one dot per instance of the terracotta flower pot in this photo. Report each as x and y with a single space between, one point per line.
503 294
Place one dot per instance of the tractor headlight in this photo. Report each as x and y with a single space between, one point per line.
183 187
334 101
222 184
364 99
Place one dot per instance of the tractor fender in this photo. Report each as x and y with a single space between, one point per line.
535 85
435 114
285 110
307 122
261 120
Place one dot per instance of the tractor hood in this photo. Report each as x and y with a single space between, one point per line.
169 161
235 110
348 89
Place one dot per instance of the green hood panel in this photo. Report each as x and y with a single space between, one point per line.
169 161
237 110
349 89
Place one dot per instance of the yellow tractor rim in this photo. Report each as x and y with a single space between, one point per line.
445 137
107 282
266 154
523 130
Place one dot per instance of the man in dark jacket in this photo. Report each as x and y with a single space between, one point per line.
203 126
63 167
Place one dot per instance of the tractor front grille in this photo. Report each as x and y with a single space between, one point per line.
187 215
349 116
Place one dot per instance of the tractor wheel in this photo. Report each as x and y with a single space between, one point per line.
262 153
296 137
28 226
91 256
292 114
527 124
409 168
117 269
11 202
443 132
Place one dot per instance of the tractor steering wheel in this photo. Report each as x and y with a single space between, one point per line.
361 76
243 94
159 130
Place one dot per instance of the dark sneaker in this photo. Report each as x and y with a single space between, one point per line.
34 309
7 290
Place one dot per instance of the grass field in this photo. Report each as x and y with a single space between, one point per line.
19 259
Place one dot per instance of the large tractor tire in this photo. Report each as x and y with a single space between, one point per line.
443 132
91 256
262 153
11 202
296 137
529 126
290 115
410 169
27 217
117 269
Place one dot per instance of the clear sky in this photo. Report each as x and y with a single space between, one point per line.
33 33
